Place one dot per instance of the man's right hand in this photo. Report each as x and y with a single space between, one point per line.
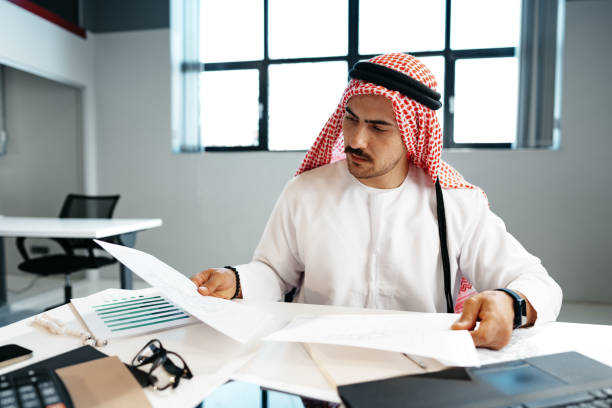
218 282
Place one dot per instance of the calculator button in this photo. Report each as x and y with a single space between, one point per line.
7 393
47 391
54 399
7 401
30 395
46 384
26 388
31 404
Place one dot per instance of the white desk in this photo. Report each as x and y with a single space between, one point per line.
39 227
213 357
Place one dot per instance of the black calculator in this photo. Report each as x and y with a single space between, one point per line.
31 389
37 385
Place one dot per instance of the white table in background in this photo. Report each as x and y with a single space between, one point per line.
40 227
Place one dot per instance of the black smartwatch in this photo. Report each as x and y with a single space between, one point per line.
520 308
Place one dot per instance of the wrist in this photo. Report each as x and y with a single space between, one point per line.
519 306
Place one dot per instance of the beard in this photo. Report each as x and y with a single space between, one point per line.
366 167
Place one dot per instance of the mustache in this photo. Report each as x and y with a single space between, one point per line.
357 152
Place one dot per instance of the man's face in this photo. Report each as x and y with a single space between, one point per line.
375 152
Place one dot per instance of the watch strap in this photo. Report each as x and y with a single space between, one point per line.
520 308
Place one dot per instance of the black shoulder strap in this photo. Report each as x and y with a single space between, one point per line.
444 247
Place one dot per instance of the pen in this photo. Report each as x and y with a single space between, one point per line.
415 360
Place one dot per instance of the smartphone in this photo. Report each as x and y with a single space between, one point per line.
12 353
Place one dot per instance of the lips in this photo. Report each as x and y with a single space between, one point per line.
358 159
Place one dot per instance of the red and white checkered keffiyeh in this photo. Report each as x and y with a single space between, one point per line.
418 126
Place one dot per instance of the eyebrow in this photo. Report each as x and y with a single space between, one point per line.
375 122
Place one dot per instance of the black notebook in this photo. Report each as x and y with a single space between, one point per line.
556 380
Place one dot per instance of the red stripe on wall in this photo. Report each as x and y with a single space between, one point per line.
50 16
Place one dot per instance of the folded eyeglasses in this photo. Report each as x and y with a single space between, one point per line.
167 368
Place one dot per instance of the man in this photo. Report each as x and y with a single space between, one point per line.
374 218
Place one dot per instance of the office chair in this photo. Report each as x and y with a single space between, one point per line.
75 206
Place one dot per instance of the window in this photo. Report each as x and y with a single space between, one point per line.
267 74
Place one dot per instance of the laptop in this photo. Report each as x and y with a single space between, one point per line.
557 380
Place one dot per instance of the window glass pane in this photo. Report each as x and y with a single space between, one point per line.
401 26
485 23
229 35
302 98
486 92
229 108
436 66
313 28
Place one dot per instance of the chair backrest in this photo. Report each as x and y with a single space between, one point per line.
83 206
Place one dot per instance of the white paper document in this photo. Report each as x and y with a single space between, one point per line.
235 320
421 334
119 313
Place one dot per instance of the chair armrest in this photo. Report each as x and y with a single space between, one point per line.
22 249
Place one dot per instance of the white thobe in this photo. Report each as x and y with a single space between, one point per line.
341 242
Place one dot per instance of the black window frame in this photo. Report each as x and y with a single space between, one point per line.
353 56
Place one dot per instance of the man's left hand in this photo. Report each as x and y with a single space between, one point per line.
494 309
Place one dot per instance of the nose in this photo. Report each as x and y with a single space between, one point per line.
359 138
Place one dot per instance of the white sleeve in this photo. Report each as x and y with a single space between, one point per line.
276 267
491 258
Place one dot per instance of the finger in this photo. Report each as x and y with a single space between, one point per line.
469 316
213 283
200 278
491 335
482 335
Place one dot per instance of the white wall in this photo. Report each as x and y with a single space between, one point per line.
50 117
36 46
215 205
43 159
